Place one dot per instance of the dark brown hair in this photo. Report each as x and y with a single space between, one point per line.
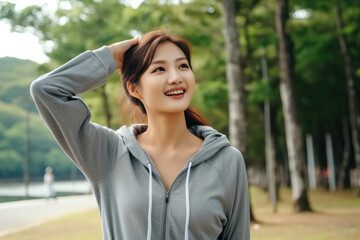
139 57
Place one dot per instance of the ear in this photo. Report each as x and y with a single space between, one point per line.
133 90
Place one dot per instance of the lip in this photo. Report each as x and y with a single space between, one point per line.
175 89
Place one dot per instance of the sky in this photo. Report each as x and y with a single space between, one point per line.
26 45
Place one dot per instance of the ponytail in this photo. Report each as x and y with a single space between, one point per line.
192 118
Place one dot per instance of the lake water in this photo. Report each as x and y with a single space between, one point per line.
36 189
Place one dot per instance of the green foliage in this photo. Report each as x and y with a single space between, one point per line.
16 70
208 97
15 78
9 117
44 151
31 19
320 72
91 24
11 162
256 132
15 136
320 85
260 91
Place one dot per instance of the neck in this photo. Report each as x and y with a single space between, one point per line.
167 131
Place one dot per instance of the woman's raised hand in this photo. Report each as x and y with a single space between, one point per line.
118 49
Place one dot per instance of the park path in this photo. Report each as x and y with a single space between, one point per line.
21 215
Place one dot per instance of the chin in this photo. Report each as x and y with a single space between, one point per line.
175 109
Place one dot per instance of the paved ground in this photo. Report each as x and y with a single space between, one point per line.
20 215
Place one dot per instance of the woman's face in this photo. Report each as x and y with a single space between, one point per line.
167 86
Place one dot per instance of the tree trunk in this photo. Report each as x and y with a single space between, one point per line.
294 138
26 164
346 154
237 115
236 92
311 162
330 162
106 106
354 114
269 144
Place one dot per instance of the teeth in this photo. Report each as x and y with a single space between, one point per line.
174 92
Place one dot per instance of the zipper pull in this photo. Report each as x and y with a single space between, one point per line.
167 198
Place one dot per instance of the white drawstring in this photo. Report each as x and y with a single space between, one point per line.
187 203
150 204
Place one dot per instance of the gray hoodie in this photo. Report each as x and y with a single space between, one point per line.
208 199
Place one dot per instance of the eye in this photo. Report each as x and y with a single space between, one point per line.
159 69
184 65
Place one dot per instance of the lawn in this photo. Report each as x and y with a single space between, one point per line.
336 216
19 198
80 226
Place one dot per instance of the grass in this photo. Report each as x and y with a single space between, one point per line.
19 198
84 225
13 198
336 216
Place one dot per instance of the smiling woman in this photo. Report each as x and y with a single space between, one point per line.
160 61
171 178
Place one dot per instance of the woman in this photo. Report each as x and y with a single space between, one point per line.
48 183
172 178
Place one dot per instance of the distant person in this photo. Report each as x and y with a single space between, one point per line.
49 183
170 177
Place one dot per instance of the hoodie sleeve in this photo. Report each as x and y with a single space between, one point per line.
92 147
238 209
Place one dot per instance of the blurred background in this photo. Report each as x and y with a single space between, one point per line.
279 77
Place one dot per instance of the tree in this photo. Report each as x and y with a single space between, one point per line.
294 139
352 102
237 103
270 150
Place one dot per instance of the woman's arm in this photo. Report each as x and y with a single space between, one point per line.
92 147
238 225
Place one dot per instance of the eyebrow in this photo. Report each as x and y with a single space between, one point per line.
162 61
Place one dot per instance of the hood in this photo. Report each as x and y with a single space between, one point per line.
213 142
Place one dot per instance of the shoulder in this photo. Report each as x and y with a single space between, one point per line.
230 155
229 162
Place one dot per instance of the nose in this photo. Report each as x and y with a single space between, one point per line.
174 77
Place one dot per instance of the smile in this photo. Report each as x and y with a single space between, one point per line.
176 92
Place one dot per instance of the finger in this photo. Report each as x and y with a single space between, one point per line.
133 41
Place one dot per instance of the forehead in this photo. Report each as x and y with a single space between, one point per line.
167 50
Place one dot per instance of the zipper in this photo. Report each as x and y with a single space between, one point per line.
164 216
166 198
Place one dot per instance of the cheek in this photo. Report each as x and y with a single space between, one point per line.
151 89
191 83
